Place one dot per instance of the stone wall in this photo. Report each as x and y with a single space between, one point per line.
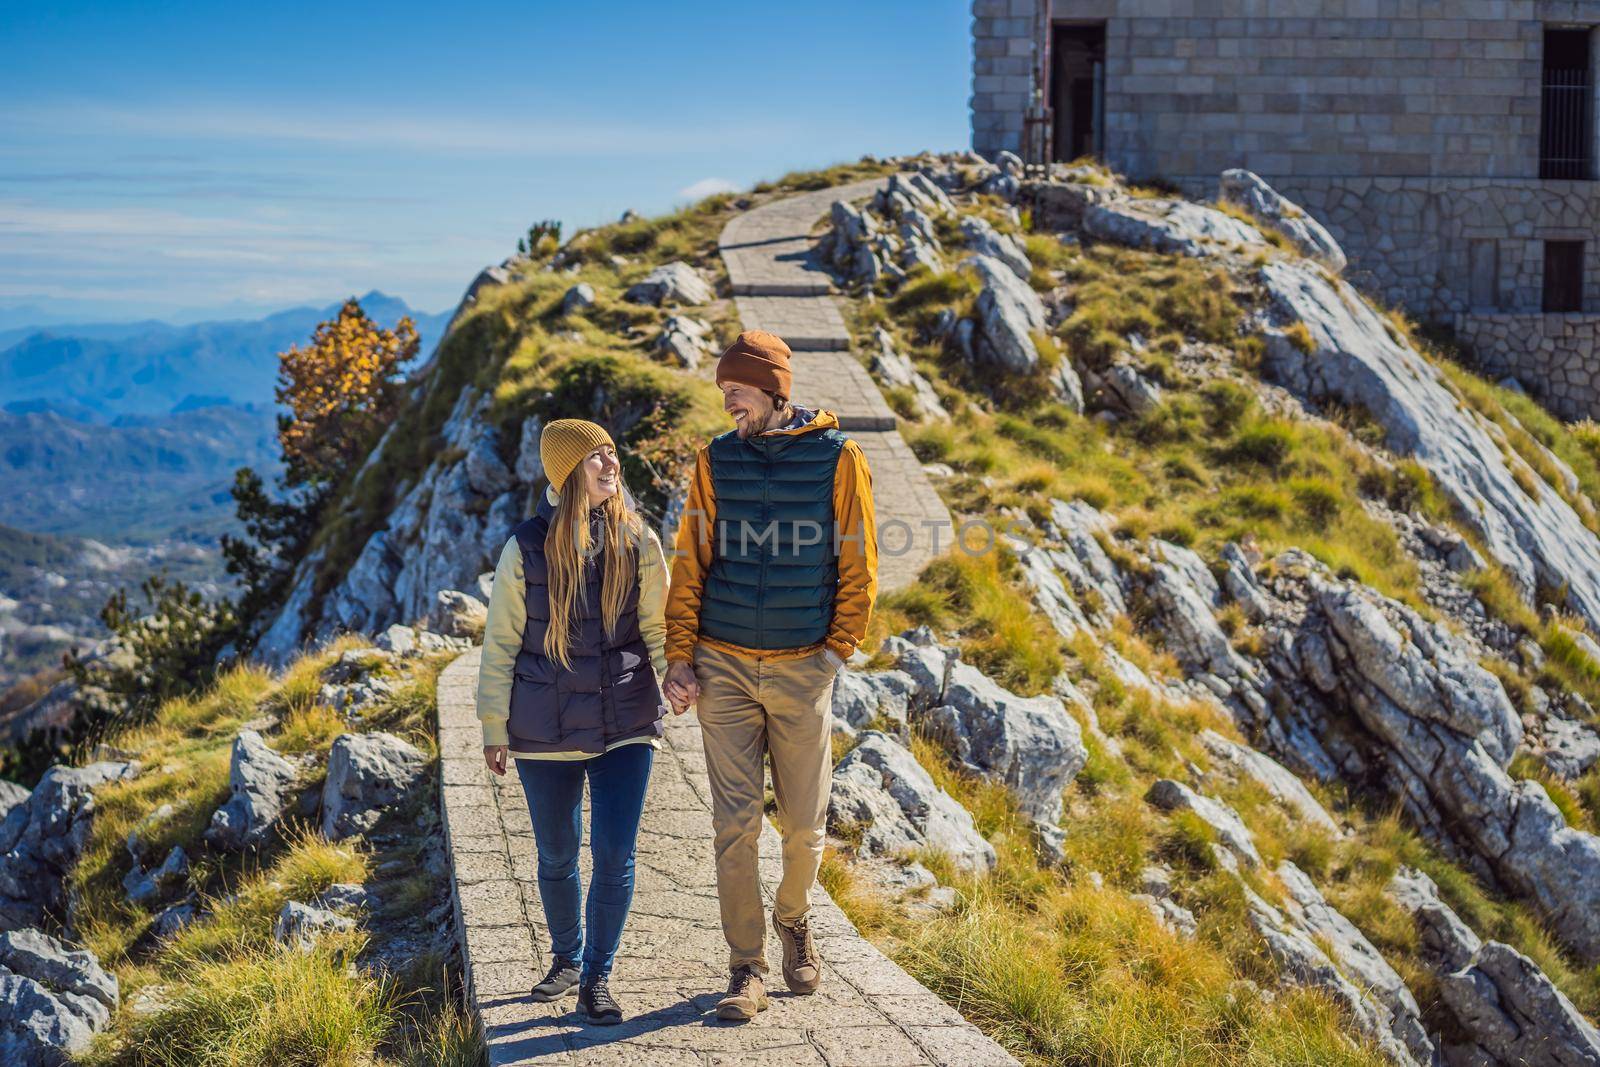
1551 356
1410 128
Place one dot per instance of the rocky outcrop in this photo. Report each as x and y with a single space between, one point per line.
577 298
1357 360
881 792
457 614
984 240
1224 822
1168 226
1030 744
671 283
897 371
146 887
367 774
1248 191
446 530
1287 789
860 697
300 925
1505 1008
41 839
52 999
260 783
684 340
1349 968
1010 313
1435 727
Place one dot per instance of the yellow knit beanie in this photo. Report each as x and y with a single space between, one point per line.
565 442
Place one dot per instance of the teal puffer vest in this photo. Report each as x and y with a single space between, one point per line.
774 569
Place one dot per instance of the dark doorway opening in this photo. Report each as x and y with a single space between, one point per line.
1563 276
1566 125
1077 90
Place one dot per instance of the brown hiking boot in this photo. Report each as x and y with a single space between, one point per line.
802 967
746 995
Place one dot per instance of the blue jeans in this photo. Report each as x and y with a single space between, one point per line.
554 790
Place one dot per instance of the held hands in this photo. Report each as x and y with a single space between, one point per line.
682 688
494 756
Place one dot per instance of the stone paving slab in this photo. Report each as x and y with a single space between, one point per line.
672 965
768 252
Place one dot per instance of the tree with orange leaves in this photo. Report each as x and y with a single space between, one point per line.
341 390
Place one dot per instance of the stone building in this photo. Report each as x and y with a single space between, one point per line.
1448 144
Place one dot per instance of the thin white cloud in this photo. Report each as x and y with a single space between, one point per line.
707 187
504 135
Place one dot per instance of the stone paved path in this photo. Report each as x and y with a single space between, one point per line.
868 1013
778 287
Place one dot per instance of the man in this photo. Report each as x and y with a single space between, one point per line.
772 585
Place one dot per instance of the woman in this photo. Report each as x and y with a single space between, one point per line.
566 688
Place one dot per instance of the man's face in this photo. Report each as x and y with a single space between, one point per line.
750 408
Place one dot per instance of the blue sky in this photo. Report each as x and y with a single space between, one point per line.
187 160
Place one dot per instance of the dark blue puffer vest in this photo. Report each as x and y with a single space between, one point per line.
609 695
774 569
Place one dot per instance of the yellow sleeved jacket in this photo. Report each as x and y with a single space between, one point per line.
508 614
855 520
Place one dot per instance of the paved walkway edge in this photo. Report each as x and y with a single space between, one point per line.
869 1013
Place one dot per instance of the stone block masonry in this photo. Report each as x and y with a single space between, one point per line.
1410 128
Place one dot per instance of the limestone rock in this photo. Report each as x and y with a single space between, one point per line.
1170 914
1241 187
674 283
1231 831
1168 226
11 795
1272 776
457 614
1009 314
985 240
145 887
897 370
41 839
1030 744
401 640
47 960
1507 1008
684 340
880 788
299 925
1357 361
367 773
859 697
486 472
52 999
1568 748
530 465
577 298
1295 942
259 782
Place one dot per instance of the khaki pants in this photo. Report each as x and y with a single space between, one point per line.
747 708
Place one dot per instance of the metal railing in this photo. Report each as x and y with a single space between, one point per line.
1566 130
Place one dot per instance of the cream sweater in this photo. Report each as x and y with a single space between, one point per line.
502 639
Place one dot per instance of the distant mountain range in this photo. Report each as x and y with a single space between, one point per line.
96 372
136 480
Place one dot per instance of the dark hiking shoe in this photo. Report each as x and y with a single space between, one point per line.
562 979
746 995
802 967
596 1003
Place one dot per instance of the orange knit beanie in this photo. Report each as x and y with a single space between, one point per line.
760 359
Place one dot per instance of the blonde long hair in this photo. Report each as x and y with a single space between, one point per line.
567 545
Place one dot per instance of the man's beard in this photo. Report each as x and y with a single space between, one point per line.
749 427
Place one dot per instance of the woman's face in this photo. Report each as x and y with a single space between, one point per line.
602 474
